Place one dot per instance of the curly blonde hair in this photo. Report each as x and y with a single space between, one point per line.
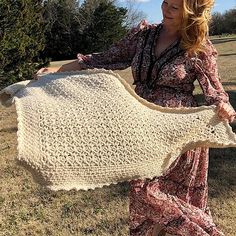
195 24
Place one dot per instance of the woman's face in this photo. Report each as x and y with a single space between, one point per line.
172 12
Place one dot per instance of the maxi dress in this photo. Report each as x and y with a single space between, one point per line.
177 200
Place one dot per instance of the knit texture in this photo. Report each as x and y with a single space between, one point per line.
88 129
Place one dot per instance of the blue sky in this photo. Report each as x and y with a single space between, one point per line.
152 8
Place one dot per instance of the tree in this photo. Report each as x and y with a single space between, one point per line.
95 25
133 15
21 39
63 28
105 27
217 24
223 23
230 21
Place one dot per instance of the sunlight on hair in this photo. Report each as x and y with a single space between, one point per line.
195 25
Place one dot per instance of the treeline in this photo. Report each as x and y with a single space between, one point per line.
33 32
71 28
223 23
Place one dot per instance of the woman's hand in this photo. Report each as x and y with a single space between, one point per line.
226 112
45 70
71 66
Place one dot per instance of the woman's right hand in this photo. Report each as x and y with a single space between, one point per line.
226 112
45 70
71 66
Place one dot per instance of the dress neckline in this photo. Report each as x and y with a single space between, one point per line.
167 49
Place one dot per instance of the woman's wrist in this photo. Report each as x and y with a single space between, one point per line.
60 69
226 111
71 66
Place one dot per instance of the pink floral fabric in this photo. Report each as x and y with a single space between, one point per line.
177 200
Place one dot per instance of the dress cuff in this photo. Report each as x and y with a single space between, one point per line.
83 61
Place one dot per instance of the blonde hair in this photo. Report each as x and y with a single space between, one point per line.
195 21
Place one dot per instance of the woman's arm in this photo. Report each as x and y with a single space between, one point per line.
118 56
206 70
71 66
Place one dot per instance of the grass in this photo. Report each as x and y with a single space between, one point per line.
29 209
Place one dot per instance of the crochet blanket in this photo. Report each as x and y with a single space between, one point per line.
88 129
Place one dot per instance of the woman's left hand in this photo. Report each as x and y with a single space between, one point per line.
226 112
46 70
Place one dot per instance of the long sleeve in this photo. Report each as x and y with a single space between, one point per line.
119 56
208 77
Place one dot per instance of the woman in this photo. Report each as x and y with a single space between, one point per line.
166 59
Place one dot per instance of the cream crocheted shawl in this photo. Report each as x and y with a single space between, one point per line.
89 129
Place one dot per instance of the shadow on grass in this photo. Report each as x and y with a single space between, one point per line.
222 171
9 130
223 40
232 95
227 54
229 84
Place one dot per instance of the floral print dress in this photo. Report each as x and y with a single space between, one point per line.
177 200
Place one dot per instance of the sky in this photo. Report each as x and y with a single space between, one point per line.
152 8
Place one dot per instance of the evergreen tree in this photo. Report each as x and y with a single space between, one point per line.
71 28
21 39
63 28
105 27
